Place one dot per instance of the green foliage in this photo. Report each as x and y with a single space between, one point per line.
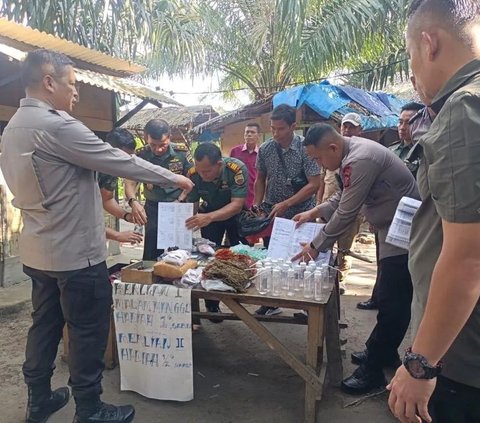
261 45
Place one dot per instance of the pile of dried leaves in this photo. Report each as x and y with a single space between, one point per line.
231 268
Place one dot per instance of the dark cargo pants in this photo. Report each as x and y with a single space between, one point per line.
393 296
81 298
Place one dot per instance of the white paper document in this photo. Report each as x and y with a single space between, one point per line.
172 231
154 338
286 240
399 231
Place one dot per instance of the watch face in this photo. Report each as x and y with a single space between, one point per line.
416 369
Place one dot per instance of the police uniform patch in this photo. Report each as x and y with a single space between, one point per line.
239 179
347 174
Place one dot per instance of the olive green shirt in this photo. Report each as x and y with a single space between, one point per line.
448 179
176 159
233 183
400 149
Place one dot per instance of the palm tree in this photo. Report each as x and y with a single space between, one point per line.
260 45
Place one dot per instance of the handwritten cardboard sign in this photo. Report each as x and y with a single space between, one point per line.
154 339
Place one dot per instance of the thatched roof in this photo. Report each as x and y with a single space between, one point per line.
177 117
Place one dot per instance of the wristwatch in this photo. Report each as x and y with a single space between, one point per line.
419 367
131 200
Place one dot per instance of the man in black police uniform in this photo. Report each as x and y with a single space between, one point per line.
174 157
222 184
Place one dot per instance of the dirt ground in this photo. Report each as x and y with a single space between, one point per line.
224 355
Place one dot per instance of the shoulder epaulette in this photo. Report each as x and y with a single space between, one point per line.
234 167
180 147
192 171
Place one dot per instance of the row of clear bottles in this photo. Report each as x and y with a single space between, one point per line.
280 278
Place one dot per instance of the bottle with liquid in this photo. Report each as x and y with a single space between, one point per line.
291 282
308 284
303 267
326 284
276 282
318 285
264 278
284 277
296 284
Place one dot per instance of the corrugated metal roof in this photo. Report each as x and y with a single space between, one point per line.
106 82
39 39
122 86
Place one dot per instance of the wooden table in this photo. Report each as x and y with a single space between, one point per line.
322 325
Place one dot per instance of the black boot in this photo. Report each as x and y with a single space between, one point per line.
370 304
364 380
42 402
103 413
360 357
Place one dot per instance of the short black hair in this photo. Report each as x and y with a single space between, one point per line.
455 13
253 125
284 112
33 67
317 132
210 150
412 107
157 128
121 138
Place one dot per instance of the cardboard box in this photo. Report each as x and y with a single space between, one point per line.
140 272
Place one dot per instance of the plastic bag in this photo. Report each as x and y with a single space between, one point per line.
177 257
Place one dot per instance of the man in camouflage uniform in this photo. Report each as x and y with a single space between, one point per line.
222 184
174 157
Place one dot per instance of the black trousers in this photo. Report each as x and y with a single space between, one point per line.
150 250
377 255
394 300
82 299
454 402
215 233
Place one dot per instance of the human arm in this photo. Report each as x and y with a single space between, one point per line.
201 220
126 236
112 207
259 187
455 287
343 207
138 211
305 193
452 163
321 189
76 144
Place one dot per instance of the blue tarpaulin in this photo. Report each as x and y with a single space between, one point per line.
325 99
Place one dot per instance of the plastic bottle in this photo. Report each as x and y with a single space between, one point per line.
308 284
303 267
284 277
291 282
296 285
326 285
264 277
317 285
276 282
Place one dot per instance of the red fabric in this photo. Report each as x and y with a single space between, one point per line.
253 239
240 152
